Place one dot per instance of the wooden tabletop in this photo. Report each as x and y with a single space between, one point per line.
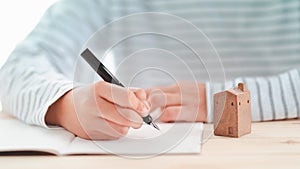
270 145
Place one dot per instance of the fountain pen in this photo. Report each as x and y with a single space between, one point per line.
107 76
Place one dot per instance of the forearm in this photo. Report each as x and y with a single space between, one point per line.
39 71
27 93
272 97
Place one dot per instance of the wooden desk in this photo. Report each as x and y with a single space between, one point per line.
270 145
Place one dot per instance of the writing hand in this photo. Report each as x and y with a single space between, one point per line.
99 111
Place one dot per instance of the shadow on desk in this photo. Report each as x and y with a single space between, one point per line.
25 153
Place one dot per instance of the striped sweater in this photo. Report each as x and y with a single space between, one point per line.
252 41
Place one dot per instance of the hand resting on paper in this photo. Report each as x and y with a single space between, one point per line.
182 102
101 111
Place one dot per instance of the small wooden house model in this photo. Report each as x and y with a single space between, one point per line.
232 112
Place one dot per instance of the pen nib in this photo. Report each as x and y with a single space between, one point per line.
155 126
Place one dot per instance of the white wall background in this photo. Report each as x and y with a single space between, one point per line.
18 18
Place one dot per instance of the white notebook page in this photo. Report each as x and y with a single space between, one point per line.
173 138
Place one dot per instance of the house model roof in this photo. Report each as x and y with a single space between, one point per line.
241 89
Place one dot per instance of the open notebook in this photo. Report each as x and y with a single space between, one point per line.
173 138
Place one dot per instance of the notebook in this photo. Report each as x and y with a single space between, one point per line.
174 138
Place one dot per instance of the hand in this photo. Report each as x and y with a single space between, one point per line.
185 101
99 111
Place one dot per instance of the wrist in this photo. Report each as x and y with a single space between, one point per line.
58 110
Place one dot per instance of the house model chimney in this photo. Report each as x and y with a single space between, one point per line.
242 87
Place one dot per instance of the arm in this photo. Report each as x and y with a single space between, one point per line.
36 81
273 97
37 72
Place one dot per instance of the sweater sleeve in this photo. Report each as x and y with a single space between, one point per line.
273 97
40 69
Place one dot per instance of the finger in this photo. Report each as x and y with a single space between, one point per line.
101 129
161 99
115 130
135 119
185 87
183 113
118 115
165 89
120 96
98 135
142 95
157 98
